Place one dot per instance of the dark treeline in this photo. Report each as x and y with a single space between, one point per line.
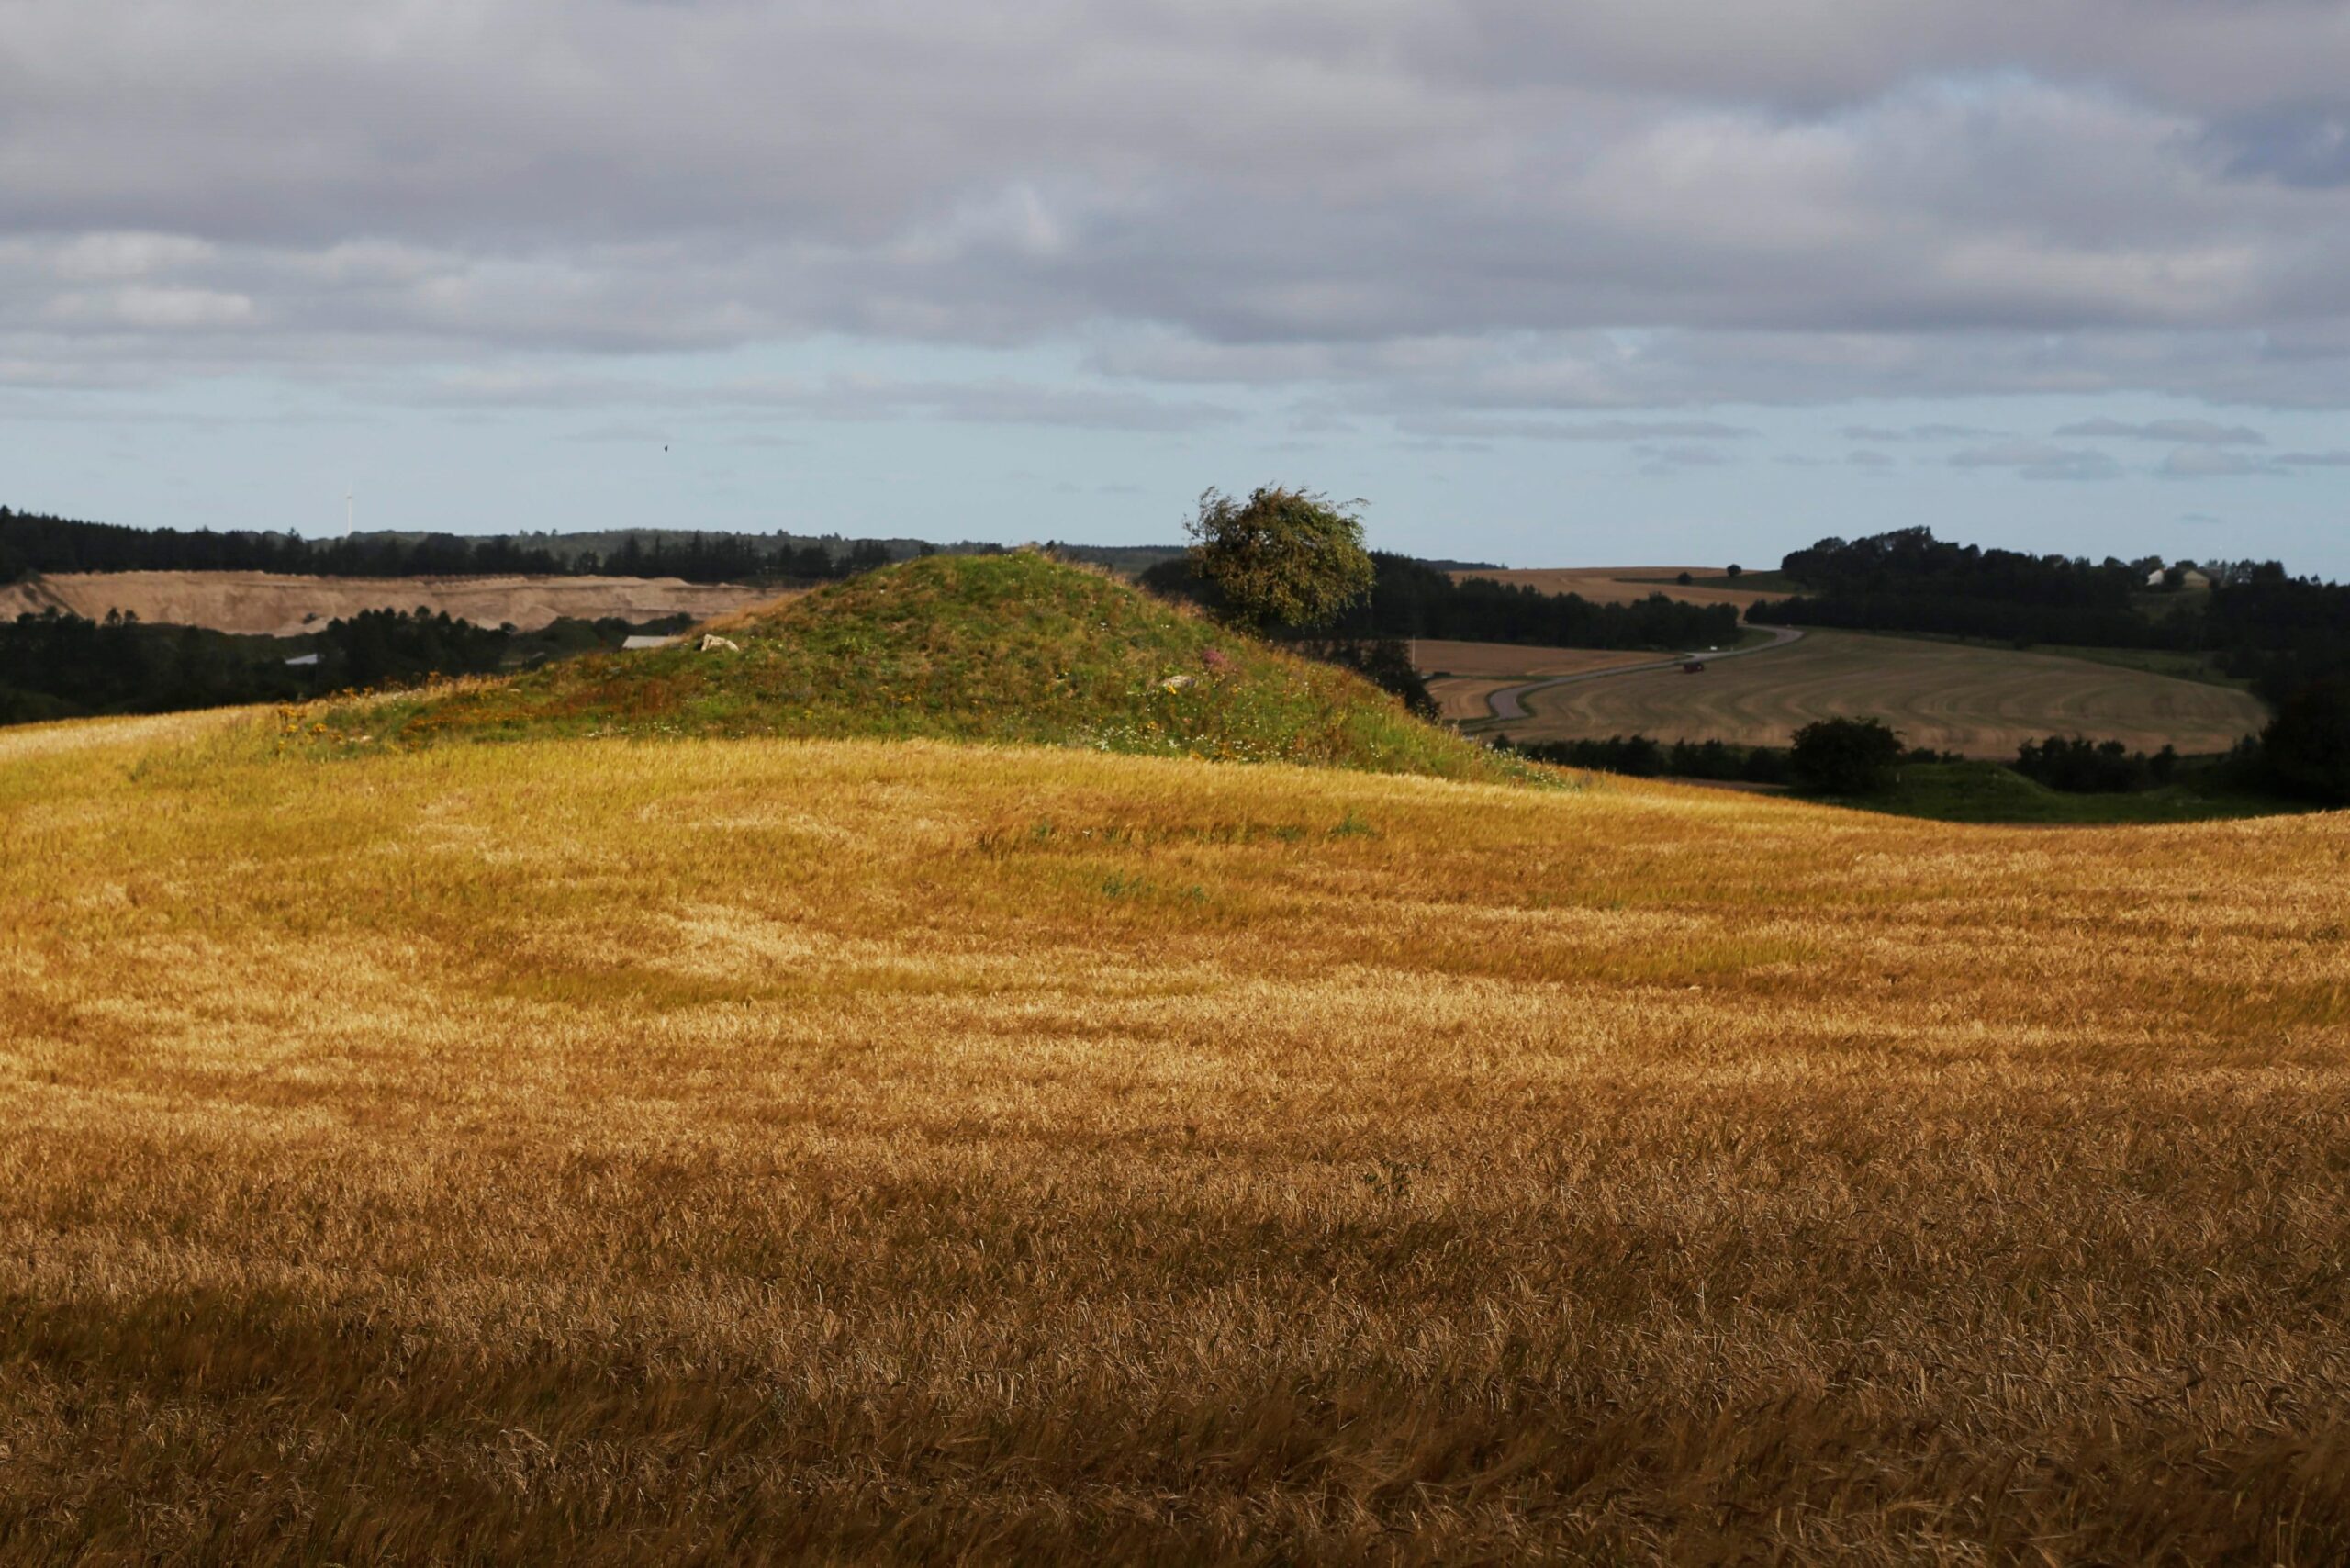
56 666
1644 757
2281 633
30 542
2079 766
1910 581
1412 599
62 667
2304 755
1986 618
1911 561
2284 634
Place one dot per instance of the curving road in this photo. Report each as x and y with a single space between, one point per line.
1507 704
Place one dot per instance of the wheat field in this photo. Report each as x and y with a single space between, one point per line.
751 1150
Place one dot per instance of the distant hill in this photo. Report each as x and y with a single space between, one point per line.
1017 647
277 604
33 543
2252 620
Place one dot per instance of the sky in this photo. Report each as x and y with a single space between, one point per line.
1608 282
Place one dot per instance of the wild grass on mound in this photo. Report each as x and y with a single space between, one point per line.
1007 648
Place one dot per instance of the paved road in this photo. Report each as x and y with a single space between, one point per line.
1507 704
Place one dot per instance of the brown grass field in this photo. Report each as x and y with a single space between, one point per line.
1473 669
1623 585
1977 702
282 604
757 1151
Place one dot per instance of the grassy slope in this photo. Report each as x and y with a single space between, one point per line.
1987 792
1007 648
862 1152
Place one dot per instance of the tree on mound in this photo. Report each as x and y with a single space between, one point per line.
1845 757
1282 557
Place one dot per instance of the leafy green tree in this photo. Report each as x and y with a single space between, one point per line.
1845 757
2308 743
1283 558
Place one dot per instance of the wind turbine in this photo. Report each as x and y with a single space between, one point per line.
349 510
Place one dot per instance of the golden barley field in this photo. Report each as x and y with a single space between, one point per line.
615 1152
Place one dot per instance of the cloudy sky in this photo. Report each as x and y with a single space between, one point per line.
1545 281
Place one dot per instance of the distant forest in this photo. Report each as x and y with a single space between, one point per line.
1414 599
56 666
2281 633
32 542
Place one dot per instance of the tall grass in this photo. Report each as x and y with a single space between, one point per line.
755 1150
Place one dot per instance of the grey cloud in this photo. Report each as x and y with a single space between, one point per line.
856 398
2032 460
2297 144
1916 432
2213 462
1489 427
1674 459
2205 462
1458 204
2185 432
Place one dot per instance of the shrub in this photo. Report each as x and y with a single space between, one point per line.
1845 757
2308 743
1283 558
2081 767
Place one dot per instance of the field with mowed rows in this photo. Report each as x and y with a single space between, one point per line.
1977 702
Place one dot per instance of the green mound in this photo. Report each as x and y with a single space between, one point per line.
1016 648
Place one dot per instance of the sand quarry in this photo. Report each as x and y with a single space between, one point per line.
284 605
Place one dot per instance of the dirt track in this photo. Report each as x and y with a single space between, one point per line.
1507 702
270 604
1461 675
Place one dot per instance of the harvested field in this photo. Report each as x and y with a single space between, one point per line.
1474 669
273 604
1616 584
761 1151
1976 701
